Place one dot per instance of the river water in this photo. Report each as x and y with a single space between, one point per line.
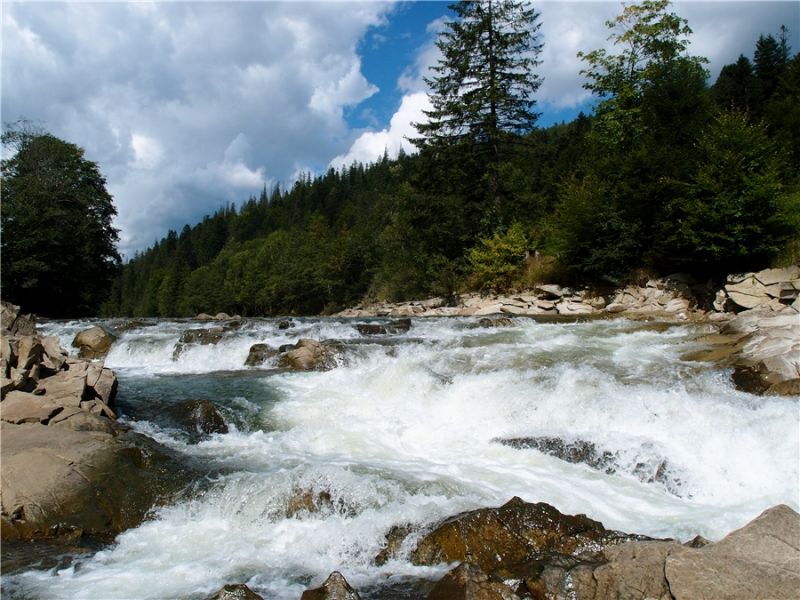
405 431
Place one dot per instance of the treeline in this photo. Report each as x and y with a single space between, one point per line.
667 174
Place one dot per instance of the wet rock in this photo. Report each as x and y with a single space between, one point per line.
197 337
576 451
90 482
238 591
199 417
312 501
393 327
394 540
469 582
489 322
308 355
334 588
285 324
259 354
504 540
790 387
94 342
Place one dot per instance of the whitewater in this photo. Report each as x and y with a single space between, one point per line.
406 430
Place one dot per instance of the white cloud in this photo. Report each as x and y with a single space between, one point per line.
147 152
371 145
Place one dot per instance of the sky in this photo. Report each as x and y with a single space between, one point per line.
186 106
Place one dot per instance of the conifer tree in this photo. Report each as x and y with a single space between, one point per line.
484 83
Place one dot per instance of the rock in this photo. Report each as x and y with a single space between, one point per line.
237 591
29 352
551 291
221 316
495 322
6 386
94 342
469 582
308 500
393 327
576 451
103 383
760 560
573 308
54 355
20 407
334 588
504 540
616 307
790 387
597 302
197 336
259 354
204 317
199 417
720 301
773 276
394 540
90 482
14 323
285 324
67 388
308 355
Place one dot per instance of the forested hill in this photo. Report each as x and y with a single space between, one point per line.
669 173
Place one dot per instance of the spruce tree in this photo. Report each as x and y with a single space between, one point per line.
484 83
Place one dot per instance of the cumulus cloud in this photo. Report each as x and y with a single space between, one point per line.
186 106
371 145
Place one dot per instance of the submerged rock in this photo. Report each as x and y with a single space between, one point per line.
495 322
576 451
334 588
259 354
199 417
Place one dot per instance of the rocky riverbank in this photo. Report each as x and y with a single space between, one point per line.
755 317
68 468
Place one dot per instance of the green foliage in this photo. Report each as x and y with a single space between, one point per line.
498 262
735 213
58 244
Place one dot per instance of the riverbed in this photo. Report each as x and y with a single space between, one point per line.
407 430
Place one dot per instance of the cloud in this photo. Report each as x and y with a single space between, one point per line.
371 145
186 106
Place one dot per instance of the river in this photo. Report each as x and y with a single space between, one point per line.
405 430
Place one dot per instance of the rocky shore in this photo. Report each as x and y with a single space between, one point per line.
68 468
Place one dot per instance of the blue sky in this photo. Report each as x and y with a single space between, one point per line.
188 105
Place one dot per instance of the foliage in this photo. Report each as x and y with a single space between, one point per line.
58 243
498 262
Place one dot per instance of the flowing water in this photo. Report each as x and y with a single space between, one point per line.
405 431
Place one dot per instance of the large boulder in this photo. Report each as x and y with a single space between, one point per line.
334 588
199 337
259 354
14 323
94 342
505 540
60 480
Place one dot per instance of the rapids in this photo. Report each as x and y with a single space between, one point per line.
404 431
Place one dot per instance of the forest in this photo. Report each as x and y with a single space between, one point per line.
670 172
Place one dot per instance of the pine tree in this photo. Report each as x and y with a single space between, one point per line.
484 83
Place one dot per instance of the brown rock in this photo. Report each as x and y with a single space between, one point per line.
334 588
199 417
502 540
237 591
14 323
495 322
308 355
468 582
790 387
66 388
394 540
30 352
94 342
54 355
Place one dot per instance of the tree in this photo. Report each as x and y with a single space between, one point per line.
771 58
484 83
737 86
58 243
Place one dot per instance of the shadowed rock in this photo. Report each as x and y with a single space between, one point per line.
469 582
259 354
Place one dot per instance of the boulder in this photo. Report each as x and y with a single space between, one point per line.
334 588
29 351
259 354
20 407
393 327
573 308
505 540
551 291
394 540
285 324
308 355
199 417
67 387
14 323
773 276
191 337
103 383
469 582
54 355
238 591
79 481
94 342
616 307
495 322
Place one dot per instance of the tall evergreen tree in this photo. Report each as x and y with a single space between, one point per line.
484 83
